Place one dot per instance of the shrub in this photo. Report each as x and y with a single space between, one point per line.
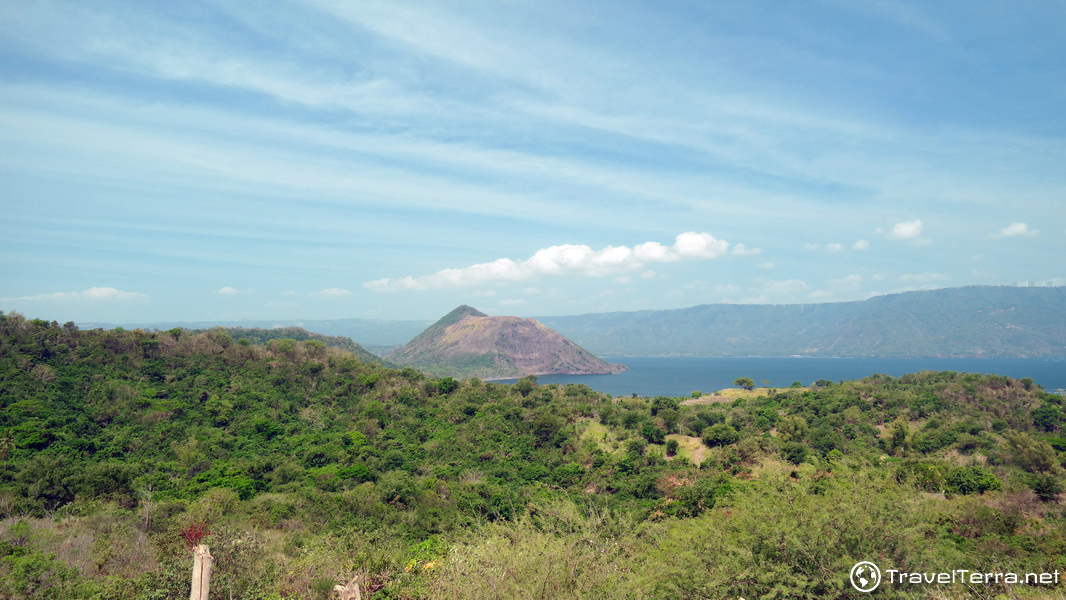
1046 487
671 447
653 434
720 435
925 475
794 452
971 480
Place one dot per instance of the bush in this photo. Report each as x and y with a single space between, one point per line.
653 434
1046 487
671 447
720 435
925 475
693 499
971 480
794 452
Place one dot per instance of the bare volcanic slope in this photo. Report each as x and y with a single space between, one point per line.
468 343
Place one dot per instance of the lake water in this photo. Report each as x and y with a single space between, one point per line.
681 375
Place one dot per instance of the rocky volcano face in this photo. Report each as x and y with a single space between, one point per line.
469 343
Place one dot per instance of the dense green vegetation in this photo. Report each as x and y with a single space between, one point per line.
309 465
260 336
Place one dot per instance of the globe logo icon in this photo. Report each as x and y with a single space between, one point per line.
865 576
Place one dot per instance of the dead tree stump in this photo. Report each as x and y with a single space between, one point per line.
201 573
350 591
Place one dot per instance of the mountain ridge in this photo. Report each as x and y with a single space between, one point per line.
964 322
967 322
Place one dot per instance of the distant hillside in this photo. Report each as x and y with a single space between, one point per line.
262 336
468 343
981 322
367 332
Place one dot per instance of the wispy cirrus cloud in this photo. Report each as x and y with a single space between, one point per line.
332 293
566 259
923 277
93 294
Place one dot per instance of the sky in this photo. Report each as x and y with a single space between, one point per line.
312 159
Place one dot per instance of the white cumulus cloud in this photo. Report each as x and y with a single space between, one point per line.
565 259
1016 230
908 230
861 245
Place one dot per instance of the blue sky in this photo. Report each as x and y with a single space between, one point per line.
193 160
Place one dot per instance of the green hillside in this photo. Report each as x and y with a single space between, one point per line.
255 335
309 465
367 332
979 322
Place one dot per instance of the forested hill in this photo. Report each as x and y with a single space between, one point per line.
366 332
256 335
979 322
308 466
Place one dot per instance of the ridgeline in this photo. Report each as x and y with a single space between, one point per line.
969 322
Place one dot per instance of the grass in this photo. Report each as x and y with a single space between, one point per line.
728 395
602 436
691 448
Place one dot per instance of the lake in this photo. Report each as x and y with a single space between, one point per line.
681 375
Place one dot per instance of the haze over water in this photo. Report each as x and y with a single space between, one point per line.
681 375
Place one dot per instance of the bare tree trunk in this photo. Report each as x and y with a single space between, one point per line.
201 573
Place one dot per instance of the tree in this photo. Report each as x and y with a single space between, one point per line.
899 443
1032 454
745 382
720 435
971 480
447 385
1048 417
653 434
671 447
792 429
1046 487
794 452
526 384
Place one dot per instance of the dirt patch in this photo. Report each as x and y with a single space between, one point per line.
691 448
